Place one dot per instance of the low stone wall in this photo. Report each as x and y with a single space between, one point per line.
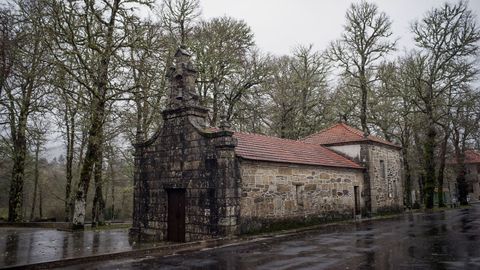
275 192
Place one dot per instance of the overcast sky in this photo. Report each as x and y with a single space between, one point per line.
280 25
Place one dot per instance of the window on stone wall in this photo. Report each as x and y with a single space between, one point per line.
382 169
394 190
299 195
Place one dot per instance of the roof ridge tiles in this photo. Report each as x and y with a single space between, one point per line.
320 131
343 133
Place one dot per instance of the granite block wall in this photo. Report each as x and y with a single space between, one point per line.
385 173
274 192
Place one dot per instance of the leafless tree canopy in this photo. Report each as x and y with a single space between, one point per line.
92 74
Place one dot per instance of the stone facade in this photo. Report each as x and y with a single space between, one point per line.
385 173
273 192
186 158
383 189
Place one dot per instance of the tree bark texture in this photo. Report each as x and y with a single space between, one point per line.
15 203
98 206
70 123
91 155
408 178
429 153
441 170
35 184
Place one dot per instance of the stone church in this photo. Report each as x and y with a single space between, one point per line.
195 182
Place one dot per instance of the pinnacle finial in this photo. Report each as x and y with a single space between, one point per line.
182 79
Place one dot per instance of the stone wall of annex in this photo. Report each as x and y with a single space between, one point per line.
385 179
274 192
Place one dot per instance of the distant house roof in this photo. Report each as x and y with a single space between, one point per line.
471 157
342 133
266 148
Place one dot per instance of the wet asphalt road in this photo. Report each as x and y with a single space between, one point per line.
20 246
441 240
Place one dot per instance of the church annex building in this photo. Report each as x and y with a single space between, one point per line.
196 182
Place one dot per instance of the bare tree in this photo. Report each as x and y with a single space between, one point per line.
222 46
364 42
93 33
24 92
7 45
179 17
299 101
148 61
447 37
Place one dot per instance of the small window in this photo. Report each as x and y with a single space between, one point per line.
393 193
299 195
382 169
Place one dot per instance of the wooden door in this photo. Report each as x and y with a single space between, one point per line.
176 215
357 200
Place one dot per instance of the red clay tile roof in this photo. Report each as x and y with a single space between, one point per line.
472 156
266 148
342 133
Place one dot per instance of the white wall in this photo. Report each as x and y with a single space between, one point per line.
353 151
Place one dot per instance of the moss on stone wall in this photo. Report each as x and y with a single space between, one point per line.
252 226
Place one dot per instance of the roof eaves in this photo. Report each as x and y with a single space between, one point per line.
365 140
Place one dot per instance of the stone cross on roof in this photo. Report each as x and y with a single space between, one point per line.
182 80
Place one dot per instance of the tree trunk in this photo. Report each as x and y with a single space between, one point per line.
91 155
40 201
363 109
112 183
421 187
35 184
408 178
98 206
81 149
215 106
429 153
70 123
96 125
15 203
441 169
